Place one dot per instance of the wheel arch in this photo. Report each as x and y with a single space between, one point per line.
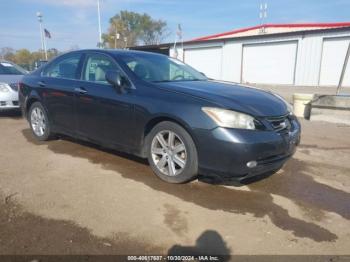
31 100
162 118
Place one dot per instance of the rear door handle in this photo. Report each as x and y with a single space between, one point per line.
80 90
41 83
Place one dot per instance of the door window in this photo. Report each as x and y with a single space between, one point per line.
97 67
67 67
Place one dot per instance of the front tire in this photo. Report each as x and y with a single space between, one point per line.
172 153
39 122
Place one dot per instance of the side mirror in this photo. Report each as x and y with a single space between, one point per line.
114 78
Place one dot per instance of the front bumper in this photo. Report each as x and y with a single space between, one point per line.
9 100
225 152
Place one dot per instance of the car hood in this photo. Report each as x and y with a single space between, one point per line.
9 79
245 99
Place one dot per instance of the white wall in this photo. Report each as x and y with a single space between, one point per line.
231 62
308 60
269 63
207 60
333 53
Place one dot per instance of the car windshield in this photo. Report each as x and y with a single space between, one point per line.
159 68
7 68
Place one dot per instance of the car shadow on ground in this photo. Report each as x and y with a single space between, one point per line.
15 114
293 182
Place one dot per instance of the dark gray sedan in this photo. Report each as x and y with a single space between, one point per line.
159 108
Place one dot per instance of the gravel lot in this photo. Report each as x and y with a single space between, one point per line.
67 197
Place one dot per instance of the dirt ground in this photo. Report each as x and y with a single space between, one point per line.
67 197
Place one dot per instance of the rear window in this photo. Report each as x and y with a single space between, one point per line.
64 67
11 69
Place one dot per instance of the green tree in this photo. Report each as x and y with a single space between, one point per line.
128 29
52 52
36 56
23 57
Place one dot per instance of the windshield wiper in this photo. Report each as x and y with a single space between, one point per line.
162 81
182 80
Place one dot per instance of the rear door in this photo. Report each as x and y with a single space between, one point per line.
58 83
103 113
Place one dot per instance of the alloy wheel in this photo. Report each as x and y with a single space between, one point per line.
169 153
38 121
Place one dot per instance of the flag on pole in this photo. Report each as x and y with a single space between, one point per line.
178 38
179 31
47 33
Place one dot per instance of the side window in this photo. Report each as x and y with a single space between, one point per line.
64 68
96 68
176 73
139 69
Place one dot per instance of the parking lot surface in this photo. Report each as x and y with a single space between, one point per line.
69 197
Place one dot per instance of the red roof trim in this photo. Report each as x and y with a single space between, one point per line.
341 24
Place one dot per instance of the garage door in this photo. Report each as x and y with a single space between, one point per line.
333 55
269 63
206 60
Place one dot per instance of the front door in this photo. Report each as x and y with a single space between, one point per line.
104 114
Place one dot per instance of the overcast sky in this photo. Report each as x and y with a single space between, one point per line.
74 22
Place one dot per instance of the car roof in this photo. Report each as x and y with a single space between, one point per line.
116 51
5 61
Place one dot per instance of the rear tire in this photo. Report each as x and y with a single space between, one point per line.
39 122
172 153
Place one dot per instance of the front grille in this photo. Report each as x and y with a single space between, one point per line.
15 103
3 103
280 123
14 86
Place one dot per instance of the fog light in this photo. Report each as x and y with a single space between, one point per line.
252 164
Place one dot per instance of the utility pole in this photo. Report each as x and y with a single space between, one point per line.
116 37
42 37
126 42
263 16
99 25
178 38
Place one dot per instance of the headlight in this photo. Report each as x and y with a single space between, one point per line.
4 87
229 118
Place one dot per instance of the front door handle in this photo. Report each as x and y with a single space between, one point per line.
41 83
80 90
